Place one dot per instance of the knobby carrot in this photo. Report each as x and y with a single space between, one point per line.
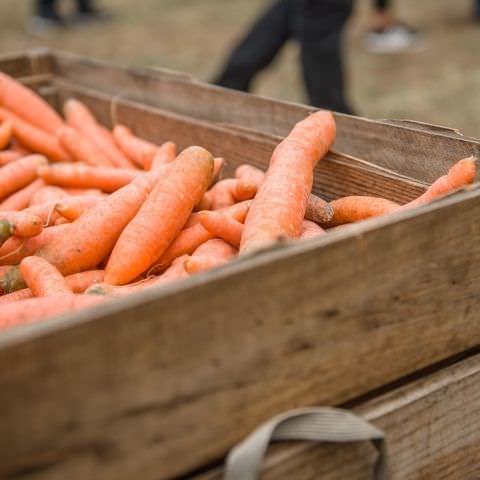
73 207
222 226
17 175
43 278
34 309
311 229
136 149
28 105
9 156
5 134
47 194
279 207
211 254
23 224
21 199
85 176
166 153
161 217
81 148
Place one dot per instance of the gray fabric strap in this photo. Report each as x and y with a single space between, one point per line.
311 424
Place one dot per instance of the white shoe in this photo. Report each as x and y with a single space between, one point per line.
397 38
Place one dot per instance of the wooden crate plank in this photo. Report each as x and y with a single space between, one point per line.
22 64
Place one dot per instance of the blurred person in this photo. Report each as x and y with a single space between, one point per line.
317 25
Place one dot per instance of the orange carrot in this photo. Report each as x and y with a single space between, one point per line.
18 147
21 199
279 207
46 212
47 194
23 224
19 174
9 156
161 217
80 117
81 148
218 166
84 176
22 294
222 226
43 278
211 254
5 134
72 208
35 309
136 149
166 153
311 229
61 221
84 192
28 105
219 196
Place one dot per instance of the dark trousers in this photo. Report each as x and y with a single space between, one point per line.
317 25
49 6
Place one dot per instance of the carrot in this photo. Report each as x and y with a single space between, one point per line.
136 149
219 196
166 153
83 192
161 217
279 207
11 280
16 146
19 174
357 208
81 148
35 309
311 229
72 208
80 117
61 221
22 294
47 194
23 224
43 279
84 176
211 254
9 156
46 212
28 105
218 166
21 199
5 134
222 226
461 174
84 243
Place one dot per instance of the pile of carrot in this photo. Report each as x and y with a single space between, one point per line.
87 214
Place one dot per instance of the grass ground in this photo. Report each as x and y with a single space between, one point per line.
440 85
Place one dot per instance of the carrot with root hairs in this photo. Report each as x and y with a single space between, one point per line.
21 199
19 174
84 176
81 148
161 217
9 156
47 194
80 117
72 208
279 207
166 153
222 226
211 254
35 309
5 134
311 229
136 149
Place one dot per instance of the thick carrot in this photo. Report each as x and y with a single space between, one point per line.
9 156
21 199
5 134
43 278
222 226
88 240
81 148
84 176
166 153
35 139
161 217
311 229
19 174
23 224
136 149
35 309
28 105
80 117
72 208
47 194
461 174
279 207
211 254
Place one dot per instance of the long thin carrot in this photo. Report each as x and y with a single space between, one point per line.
19 174
84 176
81 148
35 309
23 224
211 254
5 133
136 149
9 156
43 278
311 229
28 105
222 226
161 217
80 117
166 153
279 207
21 199
73 207
47 194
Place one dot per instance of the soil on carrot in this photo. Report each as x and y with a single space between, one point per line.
439 85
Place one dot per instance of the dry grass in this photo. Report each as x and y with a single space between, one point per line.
440 85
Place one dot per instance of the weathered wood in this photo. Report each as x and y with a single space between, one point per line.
432 427
124 392
33 62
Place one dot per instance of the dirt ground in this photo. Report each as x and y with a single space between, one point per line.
440 85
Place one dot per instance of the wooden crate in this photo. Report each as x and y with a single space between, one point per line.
142 387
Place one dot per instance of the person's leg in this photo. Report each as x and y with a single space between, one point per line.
46 8
321 34
477 9
84 6
258 48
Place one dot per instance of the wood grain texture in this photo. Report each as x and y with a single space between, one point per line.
123 392
432 427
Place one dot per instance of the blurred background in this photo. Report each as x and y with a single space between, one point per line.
440 84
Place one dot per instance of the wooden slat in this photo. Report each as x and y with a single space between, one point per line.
22 64
432 427
154 385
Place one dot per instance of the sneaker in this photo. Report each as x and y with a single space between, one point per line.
43 25
396 38
90 16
